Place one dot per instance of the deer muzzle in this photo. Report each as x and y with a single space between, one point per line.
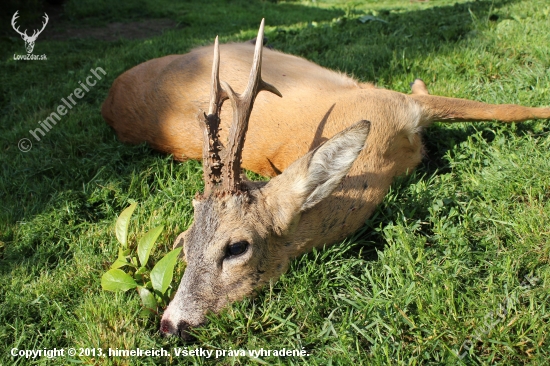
188 309
179 329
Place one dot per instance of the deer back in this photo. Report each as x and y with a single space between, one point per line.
157 101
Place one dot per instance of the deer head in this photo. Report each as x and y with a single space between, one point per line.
241 230
29 41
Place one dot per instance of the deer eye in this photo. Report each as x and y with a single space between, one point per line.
237 248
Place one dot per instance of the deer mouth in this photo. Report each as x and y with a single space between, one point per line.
181 330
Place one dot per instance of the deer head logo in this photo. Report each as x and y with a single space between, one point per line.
29 41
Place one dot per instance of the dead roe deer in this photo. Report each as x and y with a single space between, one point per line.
339 143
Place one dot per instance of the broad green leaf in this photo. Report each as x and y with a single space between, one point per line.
146 243
121 227
162 273
117 280
147 299
119 263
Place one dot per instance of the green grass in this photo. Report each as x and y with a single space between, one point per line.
450 244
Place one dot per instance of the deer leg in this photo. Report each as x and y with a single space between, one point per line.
445 109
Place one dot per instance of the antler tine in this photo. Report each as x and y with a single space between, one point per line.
217 94
242 107
255 82
13 19
44 24
210 125
37 32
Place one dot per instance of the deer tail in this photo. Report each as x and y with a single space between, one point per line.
445 109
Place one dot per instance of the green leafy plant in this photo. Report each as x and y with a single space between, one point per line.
130 270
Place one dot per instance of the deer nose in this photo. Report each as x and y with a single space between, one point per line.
167 328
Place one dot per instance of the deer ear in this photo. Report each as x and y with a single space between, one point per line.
314 176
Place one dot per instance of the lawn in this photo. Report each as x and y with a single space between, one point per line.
453 267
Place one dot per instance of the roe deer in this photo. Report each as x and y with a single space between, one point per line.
245 233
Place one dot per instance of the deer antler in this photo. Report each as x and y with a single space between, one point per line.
15 16
212 164
36 33
227 170
242 107
24 34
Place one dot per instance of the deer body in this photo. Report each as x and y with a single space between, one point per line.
157 102
335 170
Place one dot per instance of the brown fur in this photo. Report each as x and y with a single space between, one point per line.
157 102
302 208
